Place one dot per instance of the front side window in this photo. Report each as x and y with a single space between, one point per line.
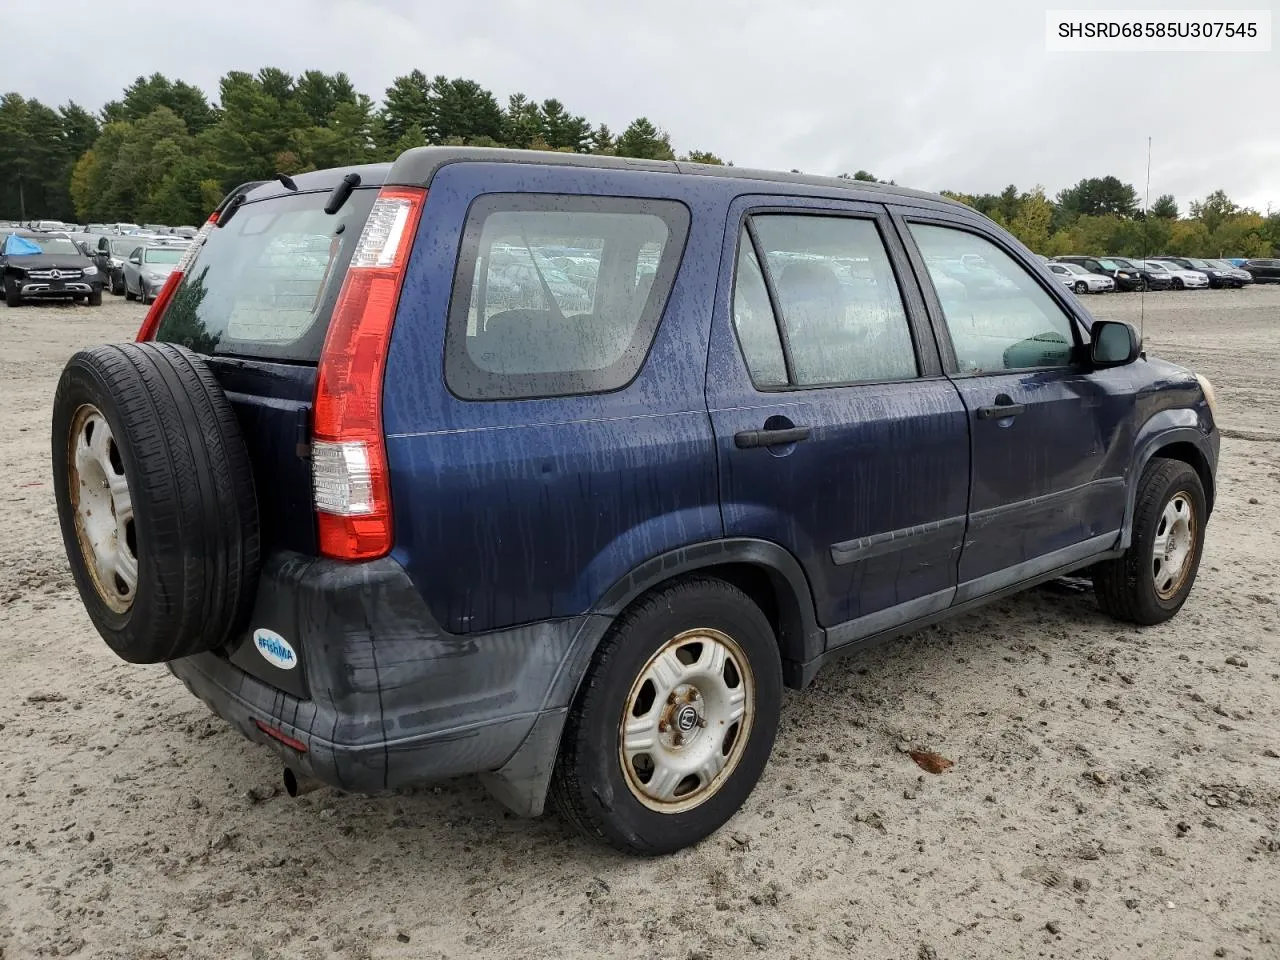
559 295
840 307
998 316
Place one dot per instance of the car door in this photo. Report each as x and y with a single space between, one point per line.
837 435
133 269
1048 485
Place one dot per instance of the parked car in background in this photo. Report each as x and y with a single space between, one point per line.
48 226
187 232
47 266
147 268
1125 277
1081 280
1263 270
1243 276
1237 261
1179 278
1153 279
1216 276
112 253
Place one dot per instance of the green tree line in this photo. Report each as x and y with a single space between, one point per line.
1102 215
164 153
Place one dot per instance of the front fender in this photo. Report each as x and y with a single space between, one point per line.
1185 427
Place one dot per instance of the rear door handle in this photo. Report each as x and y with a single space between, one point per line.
769 438
1001 410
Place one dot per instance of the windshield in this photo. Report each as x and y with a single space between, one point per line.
1220 264
60 245
1157 266
1199 264
166 255
264 284
1111 264
122 248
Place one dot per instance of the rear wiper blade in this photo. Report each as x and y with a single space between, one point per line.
229 208
341 192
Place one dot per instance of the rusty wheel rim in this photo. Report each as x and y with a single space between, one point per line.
686 722
103 508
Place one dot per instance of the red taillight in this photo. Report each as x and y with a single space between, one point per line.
158 306
151 323
348 454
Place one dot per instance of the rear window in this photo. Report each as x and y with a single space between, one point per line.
264 284
559 295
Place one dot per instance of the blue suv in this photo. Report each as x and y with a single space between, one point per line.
557 469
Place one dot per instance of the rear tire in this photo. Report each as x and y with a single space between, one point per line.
155 499
695 661
1151 581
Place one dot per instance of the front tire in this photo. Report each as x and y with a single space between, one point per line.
1151 581
1178 284
674 721
95 298
12 296
1081 287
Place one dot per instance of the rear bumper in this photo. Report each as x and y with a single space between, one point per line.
390 699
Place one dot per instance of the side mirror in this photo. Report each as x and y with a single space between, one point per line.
135 260
1114 343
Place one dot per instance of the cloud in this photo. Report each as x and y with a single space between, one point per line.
932 94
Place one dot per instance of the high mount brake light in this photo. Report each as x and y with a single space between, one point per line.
151 323
348 452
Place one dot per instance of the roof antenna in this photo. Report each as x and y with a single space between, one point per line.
1146 236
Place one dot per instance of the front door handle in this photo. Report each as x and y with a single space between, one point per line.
769 438
1003 408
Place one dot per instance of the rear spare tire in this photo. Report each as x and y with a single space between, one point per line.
156 500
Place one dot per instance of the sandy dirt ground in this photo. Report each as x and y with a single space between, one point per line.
1116 792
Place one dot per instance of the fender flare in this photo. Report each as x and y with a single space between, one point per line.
801 638
1163 430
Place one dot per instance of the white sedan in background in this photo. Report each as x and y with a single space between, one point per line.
1181 279
1081 280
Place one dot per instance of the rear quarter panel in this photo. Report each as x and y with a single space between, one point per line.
513 511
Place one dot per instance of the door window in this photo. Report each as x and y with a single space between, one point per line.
842 318
998 315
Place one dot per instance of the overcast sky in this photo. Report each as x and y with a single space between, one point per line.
932 93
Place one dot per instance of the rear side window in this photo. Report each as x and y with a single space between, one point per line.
841 311
558 295
264 284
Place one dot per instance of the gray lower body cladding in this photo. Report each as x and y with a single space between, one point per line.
381 698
